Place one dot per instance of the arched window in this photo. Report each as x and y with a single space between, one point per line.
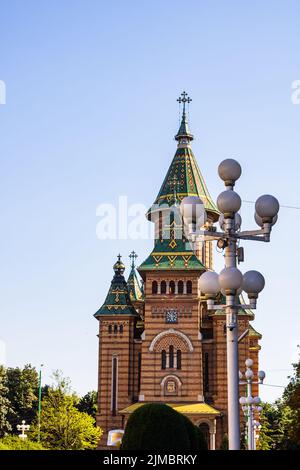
163 359
121 329
115 329
189 287
178 359
171 357
180 287
109 329
163 287
172 287
154 287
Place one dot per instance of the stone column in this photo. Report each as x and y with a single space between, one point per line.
212 436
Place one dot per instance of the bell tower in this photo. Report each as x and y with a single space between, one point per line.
172 362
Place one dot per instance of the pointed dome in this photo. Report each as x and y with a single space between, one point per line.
184 177
117 301
134 288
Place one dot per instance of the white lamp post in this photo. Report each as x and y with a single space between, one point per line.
250 404
230 281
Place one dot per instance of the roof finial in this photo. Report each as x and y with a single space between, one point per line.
119 267
184 98
184 136
133 257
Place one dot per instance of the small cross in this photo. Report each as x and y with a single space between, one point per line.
23 427
133 256
119 257
174 184
184 98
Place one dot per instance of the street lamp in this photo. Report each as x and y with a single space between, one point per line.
230 282
251 404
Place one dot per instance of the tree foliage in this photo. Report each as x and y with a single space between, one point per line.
88 404
23 395
15 443
5 405
280 423
63 426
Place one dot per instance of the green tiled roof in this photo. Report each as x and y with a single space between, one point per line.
171 254
254 333
184 169
134 288
117 300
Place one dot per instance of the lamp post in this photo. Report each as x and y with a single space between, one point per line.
40 403
231 282
249 403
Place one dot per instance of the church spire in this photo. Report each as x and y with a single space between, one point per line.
184 135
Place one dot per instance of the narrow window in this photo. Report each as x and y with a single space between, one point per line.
115 329
154 287
114 386
163 359
180 287
139 370
121 329
109 329
163 287
171 357
189 287
178 359
206 372
172 287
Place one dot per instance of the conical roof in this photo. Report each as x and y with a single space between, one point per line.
184 177
118 299
189 182
135 291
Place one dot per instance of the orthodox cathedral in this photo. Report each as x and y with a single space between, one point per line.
157 341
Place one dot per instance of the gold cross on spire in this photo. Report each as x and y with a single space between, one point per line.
184 98
133 256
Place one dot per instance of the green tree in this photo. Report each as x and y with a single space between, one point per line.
5 405
156 427
23 395
63 426
291 399
88 404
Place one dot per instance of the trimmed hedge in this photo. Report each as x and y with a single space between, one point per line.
157 427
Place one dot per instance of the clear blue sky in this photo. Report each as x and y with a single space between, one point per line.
90 114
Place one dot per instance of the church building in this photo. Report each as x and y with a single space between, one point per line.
157 341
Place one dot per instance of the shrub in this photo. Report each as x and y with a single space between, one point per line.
156 427
16 443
